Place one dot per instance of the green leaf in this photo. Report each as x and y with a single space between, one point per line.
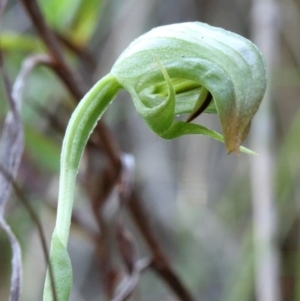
62 272
76 19
85 20
229 66
13 41
59 13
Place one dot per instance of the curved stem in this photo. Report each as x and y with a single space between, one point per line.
81 124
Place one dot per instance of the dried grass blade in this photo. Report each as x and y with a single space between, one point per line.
16 262
11 150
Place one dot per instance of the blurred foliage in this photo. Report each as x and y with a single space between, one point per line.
198 199
11 41
74 18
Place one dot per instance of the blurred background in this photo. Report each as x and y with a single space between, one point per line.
228 224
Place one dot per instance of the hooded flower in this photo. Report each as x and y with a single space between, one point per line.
190 68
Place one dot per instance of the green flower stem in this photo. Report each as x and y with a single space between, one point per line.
82 123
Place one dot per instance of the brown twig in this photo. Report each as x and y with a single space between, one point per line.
36 221
53 120
126 241
128 284
69 77
160 261
11 150
81 52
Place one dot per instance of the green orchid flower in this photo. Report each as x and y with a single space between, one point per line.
177 69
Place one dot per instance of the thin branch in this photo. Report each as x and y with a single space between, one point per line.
126 246
12 145
36 221
11 153
71 79
53 119
11 149
125 240
81 52
16 262
128 284
27 66
160 262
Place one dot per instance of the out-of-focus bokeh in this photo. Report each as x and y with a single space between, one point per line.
229 224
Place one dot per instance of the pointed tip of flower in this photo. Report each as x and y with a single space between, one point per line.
236 151
242 149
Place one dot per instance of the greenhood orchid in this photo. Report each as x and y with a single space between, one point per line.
186 68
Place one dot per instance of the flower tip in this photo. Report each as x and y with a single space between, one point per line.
237 152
